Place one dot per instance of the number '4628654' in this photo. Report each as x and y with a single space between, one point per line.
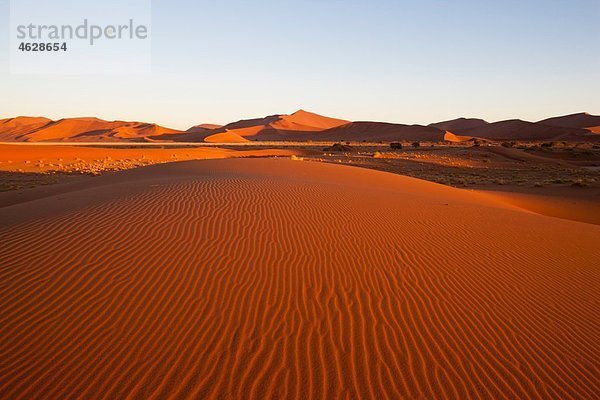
43 46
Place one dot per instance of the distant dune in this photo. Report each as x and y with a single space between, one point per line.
202 128
581 121
270 278
225 137
451 137
521 130
379 131
460 124
299 126
26 129
303 125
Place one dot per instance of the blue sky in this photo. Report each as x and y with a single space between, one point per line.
396 61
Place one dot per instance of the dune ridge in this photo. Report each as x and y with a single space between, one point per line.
300 126
579 120
27 129
194 280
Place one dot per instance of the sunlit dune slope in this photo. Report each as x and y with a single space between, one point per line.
77 130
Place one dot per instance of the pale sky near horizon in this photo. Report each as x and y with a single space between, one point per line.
395 61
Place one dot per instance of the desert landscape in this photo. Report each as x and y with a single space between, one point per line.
300 256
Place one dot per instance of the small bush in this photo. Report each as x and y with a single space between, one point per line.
416 145
396 146
340 148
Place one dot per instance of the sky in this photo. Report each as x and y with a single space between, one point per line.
394 61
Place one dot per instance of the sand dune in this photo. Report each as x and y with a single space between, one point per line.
299 121
296 126
580 120
560 204
451 137
460 124
13 129
303 126
376 131
202 128
522 130
225 137
283 279
77 130
571 127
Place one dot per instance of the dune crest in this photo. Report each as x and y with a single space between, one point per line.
580 121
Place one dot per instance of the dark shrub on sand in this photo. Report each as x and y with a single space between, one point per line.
339 148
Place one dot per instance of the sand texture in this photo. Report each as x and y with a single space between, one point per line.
273 278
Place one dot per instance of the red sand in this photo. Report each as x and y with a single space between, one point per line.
261 278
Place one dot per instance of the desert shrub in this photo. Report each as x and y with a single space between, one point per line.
340 148
416 144
396 146
377 154
550 144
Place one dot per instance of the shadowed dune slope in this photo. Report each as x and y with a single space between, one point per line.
263 278
301 125
459 124
516 129
580 120
375 131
